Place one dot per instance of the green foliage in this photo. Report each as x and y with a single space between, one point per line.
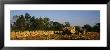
27 22
95 28
77 28
30 23
67 24
87 27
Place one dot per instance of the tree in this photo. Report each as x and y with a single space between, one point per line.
15 17
57 26
27 18
32 23
46 24
87 27
77 28
96 27
20 23
67 24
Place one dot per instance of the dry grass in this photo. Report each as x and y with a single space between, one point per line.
49 35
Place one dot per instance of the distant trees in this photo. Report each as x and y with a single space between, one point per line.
95 28
30 23
77 28
87 27
67 24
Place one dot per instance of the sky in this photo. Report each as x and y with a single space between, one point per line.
74 17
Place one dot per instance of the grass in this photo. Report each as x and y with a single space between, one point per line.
49 35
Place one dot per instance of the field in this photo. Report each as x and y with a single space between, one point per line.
28 27
49 35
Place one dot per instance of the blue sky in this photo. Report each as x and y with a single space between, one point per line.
74 17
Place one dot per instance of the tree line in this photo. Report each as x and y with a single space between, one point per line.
27 22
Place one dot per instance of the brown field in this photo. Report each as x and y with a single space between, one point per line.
49 35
